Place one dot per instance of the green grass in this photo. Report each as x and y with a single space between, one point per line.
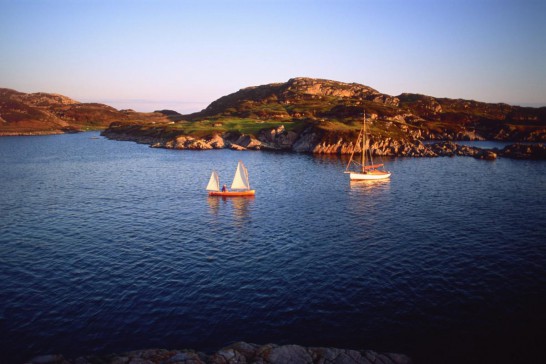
310 107
231 124
331 125
219 124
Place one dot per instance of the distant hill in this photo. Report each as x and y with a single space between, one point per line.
45 113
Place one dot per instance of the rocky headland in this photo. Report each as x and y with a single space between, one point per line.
303 115
240 352
321 116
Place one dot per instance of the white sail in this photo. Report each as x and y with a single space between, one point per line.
240 181
214 182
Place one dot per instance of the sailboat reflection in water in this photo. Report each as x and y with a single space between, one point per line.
240 187
238 207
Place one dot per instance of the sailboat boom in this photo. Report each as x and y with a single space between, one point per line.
372 166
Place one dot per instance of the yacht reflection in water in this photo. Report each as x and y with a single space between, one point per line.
239 206
377 185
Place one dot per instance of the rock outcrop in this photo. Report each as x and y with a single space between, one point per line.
317 141
524 151
238 353
297 98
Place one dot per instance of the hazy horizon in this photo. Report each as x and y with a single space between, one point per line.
182 55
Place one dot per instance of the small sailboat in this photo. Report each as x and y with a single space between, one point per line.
364 169
239 187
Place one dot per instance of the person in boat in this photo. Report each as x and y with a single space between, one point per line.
224 188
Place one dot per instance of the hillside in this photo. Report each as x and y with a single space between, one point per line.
423 117
323 116
302 115
45 113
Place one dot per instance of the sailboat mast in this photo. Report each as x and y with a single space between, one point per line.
363 156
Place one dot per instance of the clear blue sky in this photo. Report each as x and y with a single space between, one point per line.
182 55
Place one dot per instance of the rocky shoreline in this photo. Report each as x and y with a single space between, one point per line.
239 352
309 142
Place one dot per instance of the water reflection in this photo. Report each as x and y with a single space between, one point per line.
378 185
239 206
331 158
367 199
214 204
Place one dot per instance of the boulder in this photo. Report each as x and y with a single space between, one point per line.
487 155
240 353
524 151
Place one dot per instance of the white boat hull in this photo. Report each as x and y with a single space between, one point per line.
369 176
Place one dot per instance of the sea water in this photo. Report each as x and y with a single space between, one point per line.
110 246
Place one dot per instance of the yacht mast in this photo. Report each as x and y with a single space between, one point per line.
363 157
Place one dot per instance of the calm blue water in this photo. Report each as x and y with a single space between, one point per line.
110 246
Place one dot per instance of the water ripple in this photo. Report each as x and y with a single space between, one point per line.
116 246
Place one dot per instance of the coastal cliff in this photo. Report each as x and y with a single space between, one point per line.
240 352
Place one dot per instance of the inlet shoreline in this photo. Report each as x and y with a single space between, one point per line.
309 144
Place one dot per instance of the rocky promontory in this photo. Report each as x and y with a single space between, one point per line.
304 115
308 115
313 141
240 352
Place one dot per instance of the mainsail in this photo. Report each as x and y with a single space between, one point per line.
214 182
240 181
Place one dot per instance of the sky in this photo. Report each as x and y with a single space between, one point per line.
183 54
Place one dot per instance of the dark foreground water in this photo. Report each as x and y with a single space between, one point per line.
110 246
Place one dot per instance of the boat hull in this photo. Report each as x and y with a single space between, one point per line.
248 193
371 175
